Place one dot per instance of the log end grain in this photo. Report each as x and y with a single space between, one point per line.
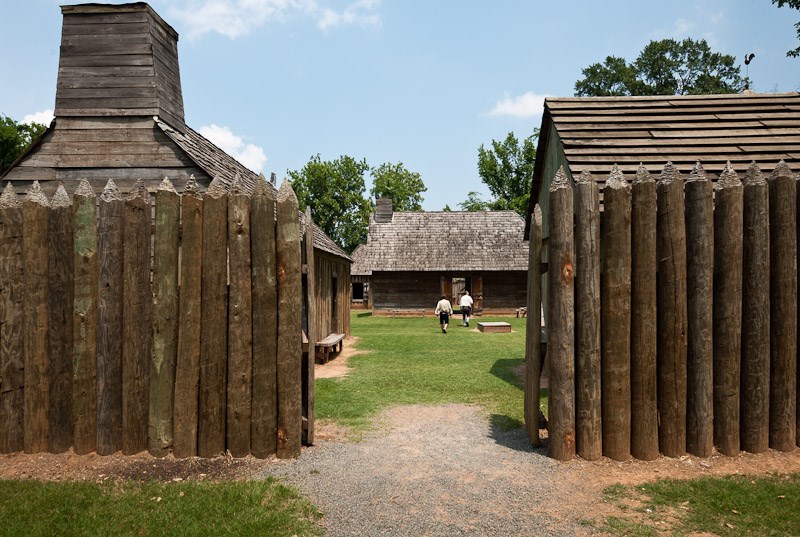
9 198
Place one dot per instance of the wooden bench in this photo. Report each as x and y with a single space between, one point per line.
330 345
494 327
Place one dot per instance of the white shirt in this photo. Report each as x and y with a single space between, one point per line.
466 301
444 307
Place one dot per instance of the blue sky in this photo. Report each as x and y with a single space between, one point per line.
422 82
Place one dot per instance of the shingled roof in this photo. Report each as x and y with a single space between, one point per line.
443 241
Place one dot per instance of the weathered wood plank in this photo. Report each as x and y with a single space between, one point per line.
310 299
130 17
108 48
107 71
289 324
264 424
644 406
84 357
533 331
110 147
699 207
783 312
588 401
561 332
672 312
140 160
35 225
12 292
105 29
136 323
90 82
213 330
728 229
115 123
60 295
109 325
122 134
165 319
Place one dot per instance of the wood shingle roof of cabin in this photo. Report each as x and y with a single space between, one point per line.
443 241
594 133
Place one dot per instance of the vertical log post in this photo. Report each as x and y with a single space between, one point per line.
699 207
214 322
60 294
561 332
84 354
588 403
533 330
672 321
240 322
35 225
264 424
109 325
187 369
136 315
290 346
311 312
165 318
616 317
644 408
12 289
783 314
728 227
754 385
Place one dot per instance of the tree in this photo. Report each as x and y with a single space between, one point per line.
507 170
666 67
396 182
335 192
15 138
796 5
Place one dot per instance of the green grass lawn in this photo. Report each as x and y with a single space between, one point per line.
409 360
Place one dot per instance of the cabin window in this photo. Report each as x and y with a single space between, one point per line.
358 291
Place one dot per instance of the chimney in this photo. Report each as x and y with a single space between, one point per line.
383 210
118 60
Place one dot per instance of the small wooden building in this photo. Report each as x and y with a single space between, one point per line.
119 115
412 258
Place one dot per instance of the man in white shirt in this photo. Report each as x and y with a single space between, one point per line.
466 307
444 310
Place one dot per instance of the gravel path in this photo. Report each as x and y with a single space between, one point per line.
434 471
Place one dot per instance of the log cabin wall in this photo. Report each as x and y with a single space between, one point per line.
333 303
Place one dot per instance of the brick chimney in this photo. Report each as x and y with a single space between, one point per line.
118 60
383 210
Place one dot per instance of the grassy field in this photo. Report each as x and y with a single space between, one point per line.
410 361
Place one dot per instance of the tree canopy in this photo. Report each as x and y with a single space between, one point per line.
335 192
506 168
403 186
665 67
15 139
795 4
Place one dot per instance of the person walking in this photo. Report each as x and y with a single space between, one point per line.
466 307
444 310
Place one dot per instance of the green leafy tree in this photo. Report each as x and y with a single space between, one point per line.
447 208
795 4
506 169
335 192
666 67
15 138
403 186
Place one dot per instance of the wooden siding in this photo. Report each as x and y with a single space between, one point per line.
326 322
118 61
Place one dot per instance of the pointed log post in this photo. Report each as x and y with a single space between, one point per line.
84 355
311 312
561 332
12 292
728 226
290 345
783 314
672 313
240 322
533 330
264 424
588 402
61 277
187 369
214 322
644 406
699 207
165 318
109 326
136 319
616 313
754 385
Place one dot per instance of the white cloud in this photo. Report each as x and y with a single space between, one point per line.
527 105
250 155
681 28
44 117
235 18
